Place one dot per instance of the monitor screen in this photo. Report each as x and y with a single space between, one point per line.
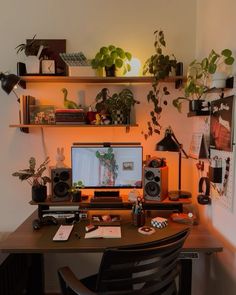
107 167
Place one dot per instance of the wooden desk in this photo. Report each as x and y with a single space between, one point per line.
35 243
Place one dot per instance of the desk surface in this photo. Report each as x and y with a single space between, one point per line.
26 240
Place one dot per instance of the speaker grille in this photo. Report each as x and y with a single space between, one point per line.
155 183
61 183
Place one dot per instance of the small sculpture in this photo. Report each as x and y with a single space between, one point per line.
60 158
69 104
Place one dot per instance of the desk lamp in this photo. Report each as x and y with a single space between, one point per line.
171 144
9 82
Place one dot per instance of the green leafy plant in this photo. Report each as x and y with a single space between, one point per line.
112 55
122 101
199 75
159 65
76 187
34 176
29 48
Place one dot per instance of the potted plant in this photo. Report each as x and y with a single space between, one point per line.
35 178
200 74
111 58
118 106
159 65
75 191
32 51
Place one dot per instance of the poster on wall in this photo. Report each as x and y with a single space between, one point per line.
221 124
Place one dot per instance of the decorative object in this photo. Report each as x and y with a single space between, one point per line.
171 144
75 191
159 66
78 64
199 77
221 124
118 102
110 58
48 66
60 158
198 148
42 114
68 104
34 177
44 49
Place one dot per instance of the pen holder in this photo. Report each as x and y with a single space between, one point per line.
138 219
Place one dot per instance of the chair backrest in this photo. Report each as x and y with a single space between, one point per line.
145 269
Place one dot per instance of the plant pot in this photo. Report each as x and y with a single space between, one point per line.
39 193
118 117
32 64
110 71
76 196
197 105
218 80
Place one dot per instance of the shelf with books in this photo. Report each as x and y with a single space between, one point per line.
21 126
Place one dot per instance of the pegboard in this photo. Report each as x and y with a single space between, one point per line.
223 192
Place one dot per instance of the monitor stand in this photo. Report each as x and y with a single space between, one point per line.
106 193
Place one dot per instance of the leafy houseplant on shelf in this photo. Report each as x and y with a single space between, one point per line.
32 49
118 106
75 191
35 178
159 65
200 74
112 58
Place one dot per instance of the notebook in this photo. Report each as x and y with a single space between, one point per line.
104 232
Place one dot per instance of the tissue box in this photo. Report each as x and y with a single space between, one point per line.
82 71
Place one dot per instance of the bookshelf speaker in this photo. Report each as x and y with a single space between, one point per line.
61 183
155 183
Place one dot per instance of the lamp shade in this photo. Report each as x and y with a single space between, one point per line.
167 143
9 82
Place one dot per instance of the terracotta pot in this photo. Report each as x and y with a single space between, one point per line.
39 193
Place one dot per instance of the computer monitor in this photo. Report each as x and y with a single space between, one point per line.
107 167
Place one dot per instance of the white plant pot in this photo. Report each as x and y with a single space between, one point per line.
32 64
218 80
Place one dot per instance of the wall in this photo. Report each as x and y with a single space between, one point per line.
86 25
215 29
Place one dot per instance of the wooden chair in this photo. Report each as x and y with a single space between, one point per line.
145 269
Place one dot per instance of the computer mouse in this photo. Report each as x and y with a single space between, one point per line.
36 224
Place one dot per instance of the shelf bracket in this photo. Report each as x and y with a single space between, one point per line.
24 129
127 128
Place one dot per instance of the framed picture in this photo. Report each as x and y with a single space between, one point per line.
221 124
42 114
48 66
128 166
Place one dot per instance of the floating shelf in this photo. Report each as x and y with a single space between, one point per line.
94 80
25 127
198 113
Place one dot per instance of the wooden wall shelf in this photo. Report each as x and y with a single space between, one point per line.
94 80
27 126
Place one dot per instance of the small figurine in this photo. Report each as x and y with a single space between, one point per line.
69 104
98 119
60 158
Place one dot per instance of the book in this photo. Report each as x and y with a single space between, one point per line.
104 232
26 101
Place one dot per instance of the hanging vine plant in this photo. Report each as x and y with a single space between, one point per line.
160 66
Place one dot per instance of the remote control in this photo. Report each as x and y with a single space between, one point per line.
63 233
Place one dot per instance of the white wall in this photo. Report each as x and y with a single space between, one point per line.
87 25
216 30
